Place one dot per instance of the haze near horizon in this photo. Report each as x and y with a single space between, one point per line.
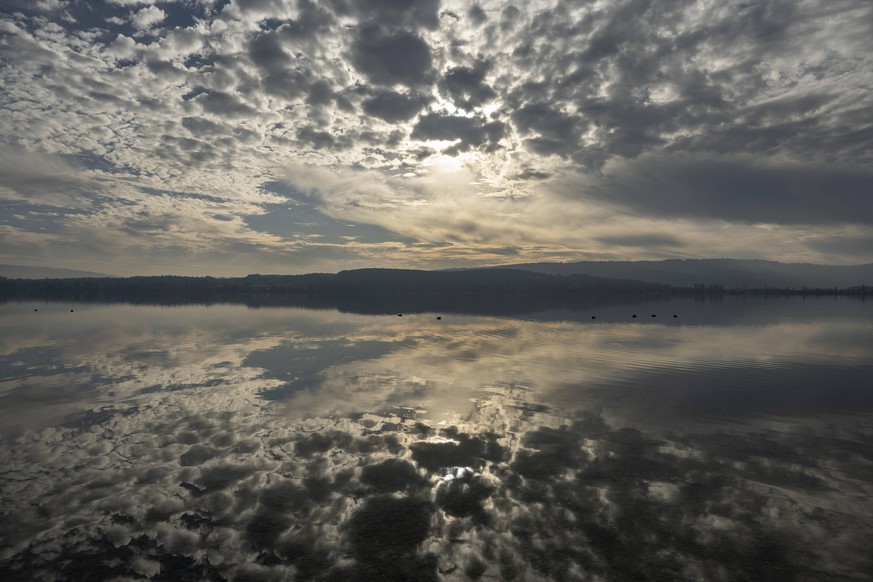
212 137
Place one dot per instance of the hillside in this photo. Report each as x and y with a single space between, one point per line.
358 283
27 272
732 273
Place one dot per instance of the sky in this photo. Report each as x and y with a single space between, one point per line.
215 137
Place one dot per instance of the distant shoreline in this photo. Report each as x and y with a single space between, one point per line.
386 291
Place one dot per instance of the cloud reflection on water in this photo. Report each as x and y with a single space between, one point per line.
168 462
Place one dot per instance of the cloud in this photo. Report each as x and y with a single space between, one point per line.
852 245
408 14
641 240
392 57
739 190
267 53
224 104
279 77
394 107
597 118
148 17
321 139
476 14
466 85
41 179
555 132
471 132
123 47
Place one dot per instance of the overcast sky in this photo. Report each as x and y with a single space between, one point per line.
225 138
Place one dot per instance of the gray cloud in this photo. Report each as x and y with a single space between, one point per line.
555 131
389 58
508 17
632 75
312 19
471 132
40 179
394 13
201 125
466 86
259 5
740 191
394 107
309 136
857 245
224 104
449 127
320 93
280 75
267 53
654 239
476 15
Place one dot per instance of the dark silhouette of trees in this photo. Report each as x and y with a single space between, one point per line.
379 290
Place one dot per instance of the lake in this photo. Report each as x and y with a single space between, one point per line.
733 441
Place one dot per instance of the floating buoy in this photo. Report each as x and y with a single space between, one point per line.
634 316
36 309
653 315
71 311
674 315
593 317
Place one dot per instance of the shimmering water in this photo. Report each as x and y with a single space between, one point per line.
732 442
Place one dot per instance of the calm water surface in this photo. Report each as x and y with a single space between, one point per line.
733 442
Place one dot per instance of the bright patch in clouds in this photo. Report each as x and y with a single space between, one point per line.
203 137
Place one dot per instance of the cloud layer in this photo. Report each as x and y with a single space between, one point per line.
150 136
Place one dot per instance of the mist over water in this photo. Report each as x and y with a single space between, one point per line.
731 442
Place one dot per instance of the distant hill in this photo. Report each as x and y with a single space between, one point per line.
485 283
23 272
732 273
498 290
423 281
